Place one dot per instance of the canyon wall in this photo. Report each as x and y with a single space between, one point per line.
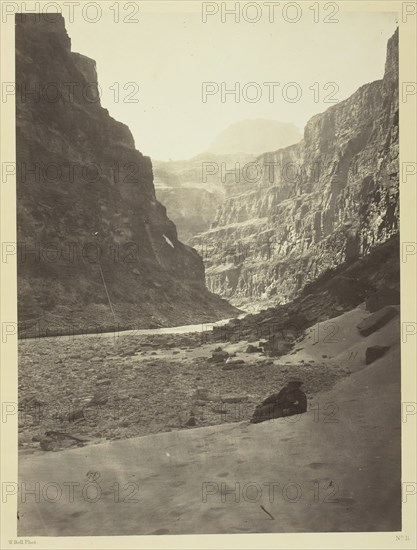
90 230
304 209
193 189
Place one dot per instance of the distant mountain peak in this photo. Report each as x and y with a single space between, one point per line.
255 136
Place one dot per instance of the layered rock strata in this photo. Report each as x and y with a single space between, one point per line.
304 209
95 247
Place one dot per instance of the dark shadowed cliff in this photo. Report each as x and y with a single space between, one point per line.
310 207
86 206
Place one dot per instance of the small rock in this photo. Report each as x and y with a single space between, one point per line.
252 349
233 365
105 382
191 421
201 394
235 399
48 444
218 356
219 410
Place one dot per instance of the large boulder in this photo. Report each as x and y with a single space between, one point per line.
381 298
377 320
291 400
375 352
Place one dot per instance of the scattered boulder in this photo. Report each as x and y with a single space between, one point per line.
49 444
104 382
252 349
78 414
234 364
375 352
123 353
277 346
218 356
54 441
382 298
377 320
219 409
235 361
191 421
98 399
291 400
201 394
235 399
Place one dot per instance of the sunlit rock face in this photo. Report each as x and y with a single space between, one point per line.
193 189
86 205
306 208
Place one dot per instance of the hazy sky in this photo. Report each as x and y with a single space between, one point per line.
169 56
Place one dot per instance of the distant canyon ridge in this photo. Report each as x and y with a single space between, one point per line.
307 208
193 189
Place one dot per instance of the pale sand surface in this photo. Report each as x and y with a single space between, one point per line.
341 459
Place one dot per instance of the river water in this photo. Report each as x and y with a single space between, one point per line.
182 329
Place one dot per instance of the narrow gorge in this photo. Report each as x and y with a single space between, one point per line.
299 211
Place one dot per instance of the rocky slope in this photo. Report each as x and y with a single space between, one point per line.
309 207
86 205
373 278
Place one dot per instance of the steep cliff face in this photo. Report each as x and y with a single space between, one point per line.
311 206
86 207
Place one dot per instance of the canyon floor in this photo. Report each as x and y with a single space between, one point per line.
335 468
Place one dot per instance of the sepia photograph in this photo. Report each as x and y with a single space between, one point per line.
208 310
